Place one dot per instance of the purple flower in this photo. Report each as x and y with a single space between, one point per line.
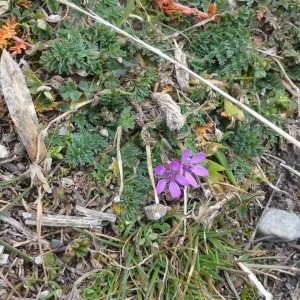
190 166
170 176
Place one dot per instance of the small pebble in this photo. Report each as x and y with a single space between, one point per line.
3 151
3 257
104 132
280 225
155 211
54 18
44 294
38 260
54 243
63 131
19 149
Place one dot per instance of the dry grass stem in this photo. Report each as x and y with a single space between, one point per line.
39 216
296 89
120 163
255 281
150 172
14 291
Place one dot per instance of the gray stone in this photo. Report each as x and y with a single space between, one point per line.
3 151
156 211
280 225
3 257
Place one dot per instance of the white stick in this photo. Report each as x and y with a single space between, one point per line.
150 171
255 281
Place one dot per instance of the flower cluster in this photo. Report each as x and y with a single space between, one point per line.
181 173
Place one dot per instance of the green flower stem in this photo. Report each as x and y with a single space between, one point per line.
14 202
17 251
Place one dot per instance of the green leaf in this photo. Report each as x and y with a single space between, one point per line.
79 248
213 166
31 79
162 227
48 95
83 147
41 23
69 91
141 241
242 211
153 236
223 161
127 11
84 86
232 110
51 264
214 170
127 120
52 6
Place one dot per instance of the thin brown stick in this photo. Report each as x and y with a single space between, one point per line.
192 268
150 172
297 90
39 216
11 286
119 158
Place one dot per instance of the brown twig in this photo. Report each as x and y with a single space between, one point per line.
11 286
39 230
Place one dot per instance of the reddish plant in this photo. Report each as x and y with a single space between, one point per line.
7 33
171 6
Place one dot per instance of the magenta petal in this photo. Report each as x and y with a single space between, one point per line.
181 179
174 189
161 186
160 170
185 155
181 169
174 165
199 170
198 158
191 179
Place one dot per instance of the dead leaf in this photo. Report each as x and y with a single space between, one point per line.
182 76
3 107
25 3
204 132
210 148
171 112
232 112
20 106
37 175
167 89
4 6
156 211
166 71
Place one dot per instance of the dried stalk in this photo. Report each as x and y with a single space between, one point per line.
120 163
63 221
255 281
92 213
